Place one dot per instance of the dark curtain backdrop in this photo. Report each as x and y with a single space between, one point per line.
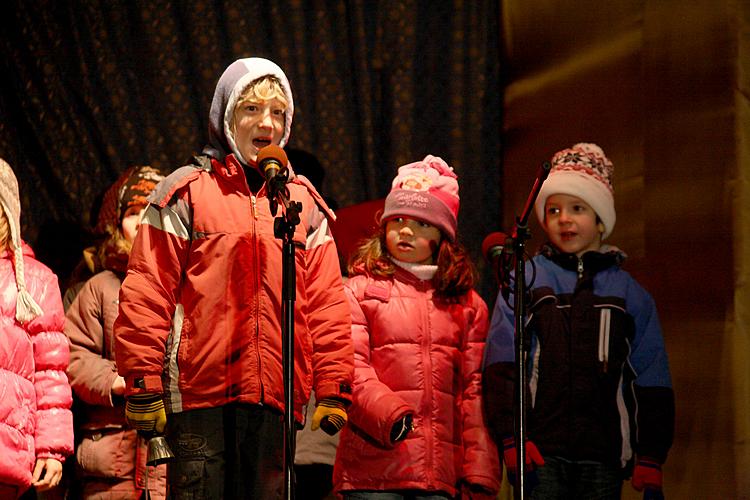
91 87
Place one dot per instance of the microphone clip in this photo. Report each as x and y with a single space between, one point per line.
276 189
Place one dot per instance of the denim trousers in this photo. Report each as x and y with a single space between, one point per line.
233 451
562 479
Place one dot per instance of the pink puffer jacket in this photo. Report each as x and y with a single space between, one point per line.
415 354
35 398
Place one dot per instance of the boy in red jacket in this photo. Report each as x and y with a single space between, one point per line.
199 327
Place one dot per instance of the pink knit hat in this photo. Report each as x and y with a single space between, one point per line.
426 190
26 308
585 172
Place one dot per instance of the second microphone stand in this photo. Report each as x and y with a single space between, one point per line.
521 234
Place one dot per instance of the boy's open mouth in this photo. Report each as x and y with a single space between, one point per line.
567 235
261 142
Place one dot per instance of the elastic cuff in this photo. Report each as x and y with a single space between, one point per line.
140 384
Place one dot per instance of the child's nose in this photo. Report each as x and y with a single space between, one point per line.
405 229
266 120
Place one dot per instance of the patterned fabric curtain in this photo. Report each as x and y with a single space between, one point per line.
92 87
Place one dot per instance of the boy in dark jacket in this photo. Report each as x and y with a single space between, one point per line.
600 390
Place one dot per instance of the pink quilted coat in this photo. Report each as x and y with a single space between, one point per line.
415 354
35 398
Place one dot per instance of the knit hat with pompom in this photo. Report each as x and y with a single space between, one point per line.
583 171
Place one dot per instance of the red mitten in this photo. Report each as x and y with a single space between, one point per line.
533 458
647 474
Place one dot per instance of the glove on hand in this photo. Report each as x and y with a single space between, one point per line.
533 459
401 428
647 477
145 413
330 415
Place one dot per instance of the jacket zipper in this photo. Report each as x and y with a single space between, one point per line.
427 346
580 268
256 284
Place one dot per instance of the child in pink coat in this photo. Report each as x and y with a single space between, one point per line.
36 425
417 428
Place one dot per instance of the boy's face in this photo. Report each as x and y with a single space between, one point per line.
570 224
131 221
258 123
410 240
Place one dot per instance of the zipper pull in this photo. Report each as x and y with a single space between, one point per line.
580 268
255 213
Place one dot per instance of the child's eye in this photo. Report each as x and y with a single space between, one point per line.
553 211
424 224
251 107
278 112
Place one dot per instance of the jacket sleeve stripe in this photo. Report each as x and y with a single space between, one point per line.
319 235
168 219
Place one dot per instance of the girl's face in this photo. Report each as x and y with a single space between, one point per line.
570 224
131 221
258 123
410 240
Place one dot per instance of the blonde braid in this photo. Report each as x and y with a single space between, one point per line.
26 308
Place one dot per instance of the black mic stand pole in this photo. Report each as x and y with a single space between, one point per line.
283 229
520 235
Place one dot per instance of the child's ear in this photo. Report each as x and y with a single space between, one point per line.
600 227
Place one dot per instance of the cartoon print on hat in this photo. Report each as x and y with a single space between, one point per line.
426 190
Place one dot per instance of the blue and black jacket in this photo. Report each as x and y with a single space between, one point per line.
599 386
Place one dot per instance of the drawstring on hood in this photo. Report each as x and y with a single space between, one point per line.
231 84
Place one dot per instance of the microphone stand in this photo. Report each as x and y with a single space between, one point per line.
283 229
521 233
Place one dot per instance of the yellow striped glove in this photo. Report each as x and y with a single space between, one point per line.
330 415
145 413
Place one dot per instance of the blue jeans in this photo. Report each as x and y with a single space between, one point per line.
233 451
562 479
395 495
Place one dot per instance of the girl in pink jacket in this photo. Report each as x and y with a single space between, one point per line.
417 428
36 426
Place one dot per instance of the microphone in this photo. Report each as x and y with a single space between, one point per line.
493 246
497 248
271 160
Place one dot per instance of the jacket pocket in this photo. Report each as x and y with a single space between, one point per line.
107 453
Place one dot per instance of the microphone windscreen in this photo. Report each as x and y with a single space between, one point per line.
492 243
272 152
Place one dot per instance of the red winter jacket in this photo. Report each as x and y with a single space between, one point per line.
35 417
415 354
200 316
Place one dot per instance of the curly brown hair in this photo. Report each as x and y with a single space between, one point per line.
455 274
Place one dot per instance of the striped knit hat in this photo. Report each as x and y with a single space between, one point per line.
26 308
